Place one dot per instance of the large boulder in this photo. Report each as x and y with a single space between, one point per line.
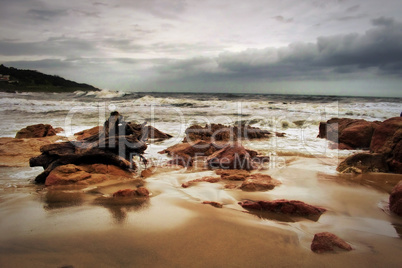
88 133
36 131
363 162
292 207
259 182
348 133
395 199
325 242
387 140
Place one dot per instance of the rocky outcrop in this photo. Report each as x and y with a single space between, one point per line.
36 131
348 133
233 175
219 132
84 174
259 182
292 207
115 145
387 140
362 163
395 199
325 242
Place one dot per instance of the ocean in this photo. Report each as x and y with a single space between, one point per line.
41 227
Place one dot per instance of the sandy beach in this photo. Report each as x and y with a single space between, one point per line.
79 227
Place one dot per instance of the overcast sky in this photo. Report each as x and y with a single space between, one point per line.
332 47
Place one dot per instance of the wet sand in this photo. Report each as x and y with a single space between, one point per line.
82 227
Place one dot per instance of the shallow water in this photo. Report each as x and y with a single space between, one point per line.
83 227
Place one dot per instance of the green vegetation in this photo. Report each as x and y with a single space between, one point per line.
30 80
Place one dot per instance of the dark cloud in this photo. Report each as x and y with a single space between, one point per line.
353 8
378 51
55 46
282 19
46 14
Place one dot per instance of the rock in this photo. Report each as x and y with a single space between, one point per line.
36 131
292 207
139 192
233 175
219 132
58 130
197 148
148 172
395 199
233 156
259 182
213 203
17 152
349 133
324 242
387 139
362 163
84 174
88 133
204 179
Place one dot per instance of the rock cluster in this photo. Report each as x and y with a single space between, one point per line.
219 132
384 139
115 144
348 133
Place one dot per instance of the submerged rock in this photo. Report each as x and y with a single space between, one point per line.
259 182
284 206
362 163
204 179
395 199
213 203
324 242
139 192
36 131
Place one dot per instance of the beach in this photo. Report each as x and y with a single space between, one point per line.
80 226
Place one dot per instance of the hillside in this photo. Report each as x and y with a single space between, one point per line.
30 80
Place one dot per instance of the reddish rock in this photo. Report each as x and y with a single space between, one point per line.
204 179
148 172
292 207
219 132
259 182
36 131
387 139
231 157
324 242
233 174
395 199
88 133
213 203
348 133
197 148
139 192
84 174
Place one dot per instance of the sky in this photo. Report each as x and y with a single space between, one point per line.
325 47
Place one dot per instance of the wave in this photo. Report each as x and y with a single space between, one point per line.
105 94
